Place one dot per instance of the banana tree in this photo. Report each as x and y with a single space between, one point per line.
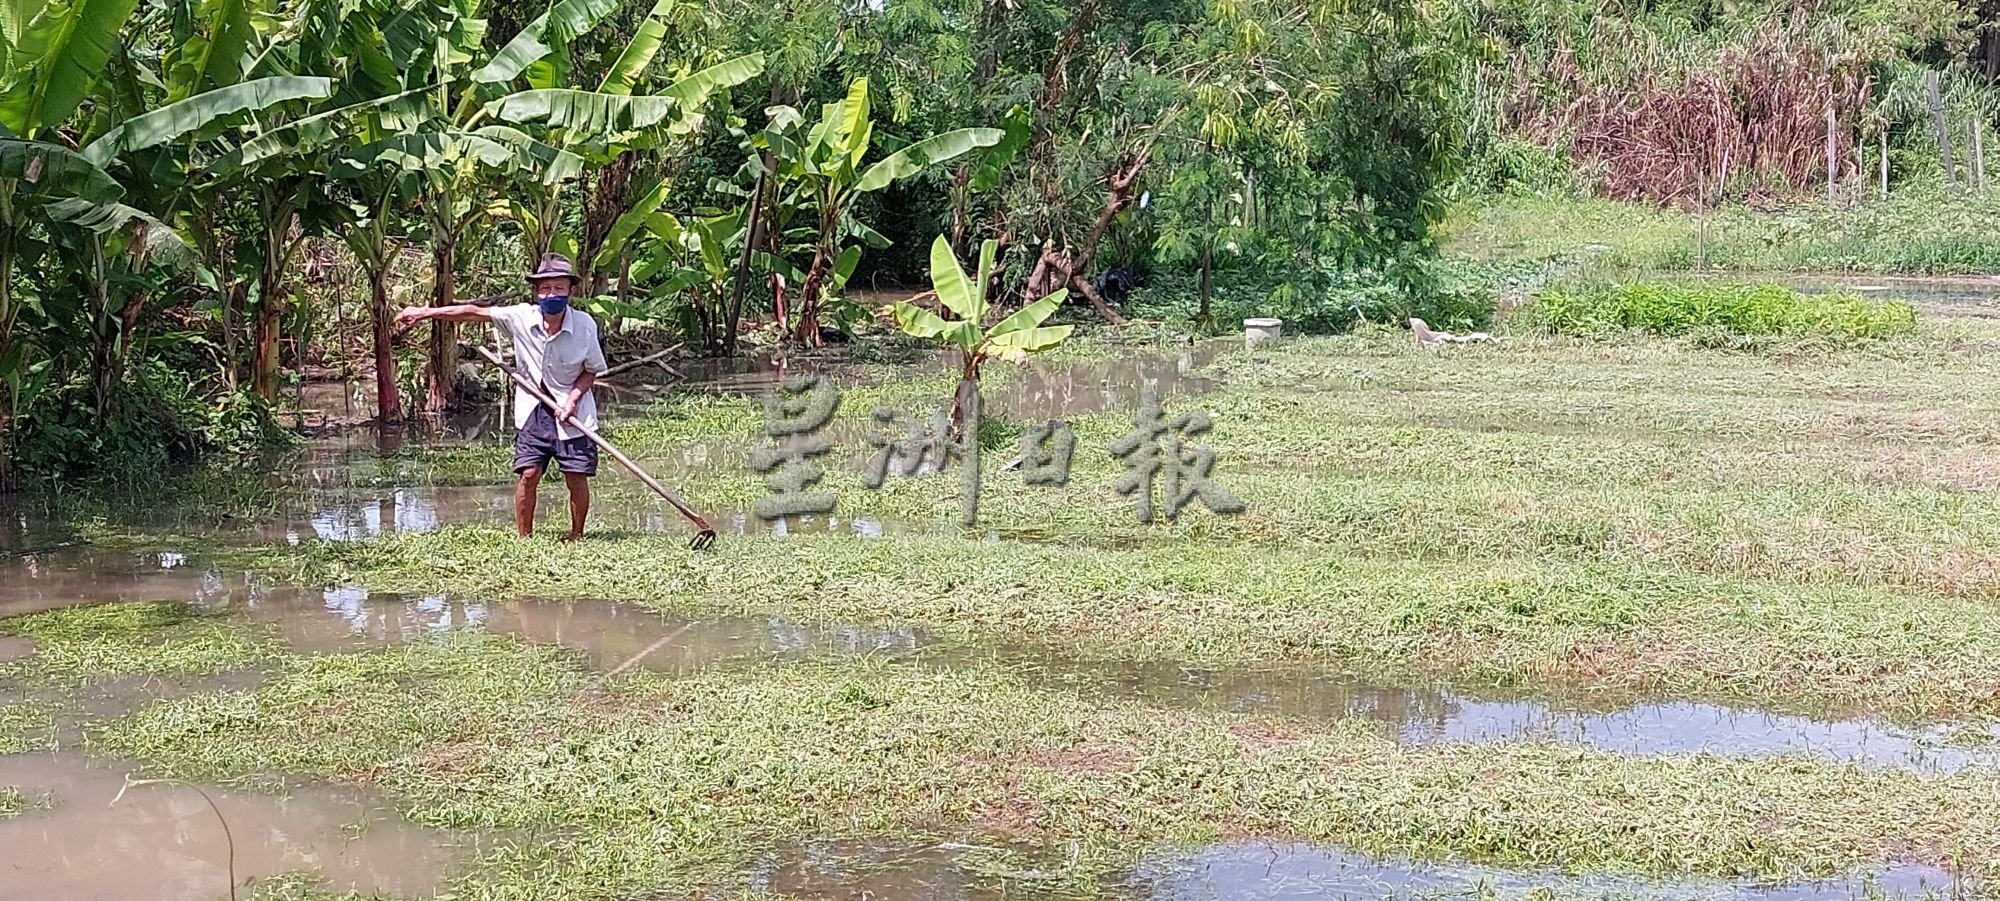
448 150
613 129
234 69
47 66
821 170
1011 339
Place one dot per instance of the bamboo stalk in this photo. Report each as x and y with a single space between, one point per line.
1832 156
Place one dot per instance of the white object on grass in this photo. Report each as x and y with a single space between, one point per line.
1258 330
1428 338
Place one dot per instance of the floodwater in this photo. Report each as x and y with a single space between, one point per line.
1042 392
1272 870
89 575
347 619
1428 715
1259 870
610 635
163 842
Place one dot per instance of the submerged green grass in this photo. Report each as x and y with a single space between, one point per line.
78 644
26 726
1512 622
664 785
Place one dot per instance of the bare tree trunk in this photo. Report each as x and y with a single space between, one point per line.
752 233
1941 127
1207 278
444 335
388 401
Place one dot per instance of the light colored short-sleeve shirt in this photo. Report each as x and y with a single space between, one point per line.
558 360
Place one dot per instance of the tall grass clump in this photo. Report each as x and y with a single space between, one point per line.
1763 310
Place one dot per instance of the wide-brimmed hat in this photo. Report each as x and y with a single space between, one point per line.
555 265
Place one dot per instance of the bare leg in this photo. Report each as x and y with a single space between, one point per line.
524 501
579 502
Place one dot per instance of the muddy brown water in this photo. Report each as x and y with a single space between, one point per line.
163 842
1260 870
90 575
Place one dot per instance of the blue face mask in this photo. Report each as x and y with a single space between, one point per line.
553 306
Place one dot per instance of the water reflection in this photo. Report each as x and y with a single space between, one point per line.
608 634
165 842
1273 870
1259 870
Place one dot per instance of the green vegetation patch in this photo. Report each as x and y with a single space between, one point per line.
1731 310
1913 233
1507 620
667 785
431 693
77 644
26 726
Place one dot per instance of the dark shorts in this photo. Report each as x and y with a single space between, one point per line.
535 445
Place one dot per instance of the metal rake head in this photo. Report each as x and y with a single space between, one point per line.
703 540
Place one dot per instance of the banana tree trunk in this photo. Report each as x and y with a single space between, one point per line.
103 333
264 347
444 335
808 330
606 202
271 303
388 402
7 379
232 310
8 481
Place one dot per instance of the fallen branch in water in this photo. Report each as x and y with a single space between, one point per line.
131 783
634 364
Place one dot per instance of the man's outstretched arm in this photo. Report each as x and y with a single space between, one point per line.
463 312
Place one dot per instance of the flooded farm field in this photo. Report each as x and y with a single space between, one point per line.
1573 650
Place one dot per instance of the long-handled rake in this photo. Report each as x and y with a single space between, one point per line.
703 539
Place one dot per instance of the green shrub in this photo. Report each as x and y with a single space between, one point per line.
1709 310
1458 297
158 424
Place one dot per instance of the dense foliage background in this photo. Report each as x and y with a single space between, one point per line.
204 201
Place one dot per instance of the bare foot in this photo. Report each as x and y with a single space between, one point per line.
573 536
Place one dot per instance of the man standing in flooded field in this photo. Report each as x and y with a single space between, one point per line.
558 346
